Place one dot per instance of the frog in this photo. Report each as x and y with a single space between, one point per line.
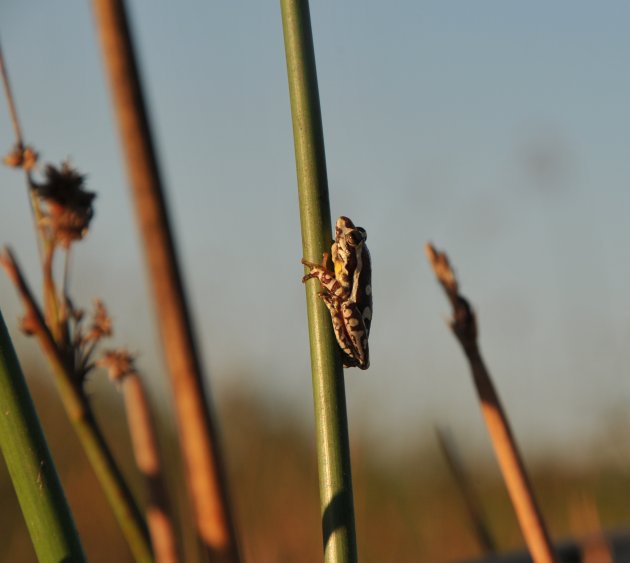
347 291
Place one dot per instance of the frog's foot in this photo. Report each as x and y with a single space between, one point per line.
322 265
326 278
308 277
330 299
319 271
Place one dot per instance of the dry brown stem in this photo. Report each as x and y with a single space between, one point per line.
121 366
585 522
473 506
198 433
521 493
11 101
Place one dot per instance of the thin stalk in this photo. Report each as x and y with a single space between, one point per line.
464 485
31 466
82 419
333 449
11 101
65 283
198 432
146 452
19 140
52 313
464 326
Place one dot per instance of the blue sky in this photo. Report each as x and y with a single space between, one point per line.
498 130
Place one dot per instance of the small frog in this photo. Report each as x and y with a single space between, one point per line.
347 291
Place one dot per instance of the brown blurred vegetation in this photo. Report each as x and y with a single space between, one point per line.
408 508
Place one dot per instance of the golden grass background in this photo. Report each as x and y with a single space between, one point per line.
407 506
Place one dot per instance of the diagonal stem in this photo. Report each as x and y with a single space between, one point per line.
197 428
83 421
464 326
31 466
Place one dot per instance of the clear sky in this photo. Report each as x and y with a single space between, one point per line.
498 130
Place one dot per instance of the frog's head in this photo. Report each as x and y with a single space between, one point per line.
347 235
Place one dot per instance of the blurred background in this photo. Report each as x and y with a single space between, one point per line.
499 131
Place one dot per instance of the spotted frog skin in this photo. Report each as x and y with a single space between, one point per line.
347 291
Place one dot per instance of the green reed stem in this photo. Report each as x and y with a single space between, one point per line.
82 418
31 466
333 448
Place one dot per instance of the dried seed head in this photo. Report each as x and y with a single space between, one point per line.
101 326
442 268
68 204
21 157
28 324
463 323
119 363
77 314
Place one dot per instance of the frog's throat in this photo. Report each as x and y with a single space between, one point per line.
338 268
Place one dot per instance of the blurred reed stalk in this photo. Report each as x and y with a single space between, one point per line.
122 370
82 418
464 326
333 449
585 523
31 467
19 144
52 331
473 506
198 432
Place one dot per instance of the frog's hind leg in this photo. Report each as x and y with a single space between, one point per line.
339 328
357 333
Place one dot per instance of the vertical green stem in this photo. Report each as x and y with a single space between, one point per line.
333 449
31 467
80 415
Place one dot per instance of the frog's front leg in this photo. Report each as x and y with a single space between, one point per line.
325 276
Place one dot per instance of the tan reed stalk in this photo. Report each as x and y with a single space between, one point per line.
198 431
22 149
586 524
464 327
121 367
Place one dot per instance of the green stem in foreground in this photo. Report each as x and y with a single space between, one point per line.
333 449
82 419
31 466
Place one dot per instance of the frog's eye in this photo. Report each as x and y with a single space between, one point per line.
355 237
